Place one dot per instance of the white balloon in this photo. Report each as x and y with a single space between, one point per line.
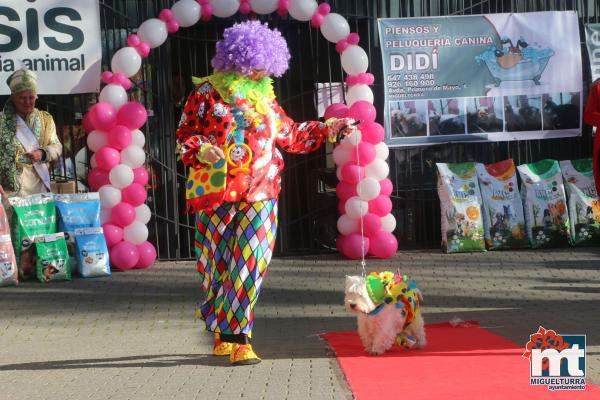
224 8
136 233
114 94
96 140
127 61
143 213
354 60
358 93
110 196
153 31
335 27
388 223
137 138
338 173
368 189
93 162
302 10
186 12
352 139
264 6
378 169
382 150
121 176
133 156
356 208
341 155
347 225
104 216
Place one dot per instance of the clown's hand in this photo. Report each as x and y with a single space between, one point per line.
210 154
340 128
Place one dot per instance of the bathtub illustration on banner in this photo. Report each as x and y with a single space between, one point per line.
520 62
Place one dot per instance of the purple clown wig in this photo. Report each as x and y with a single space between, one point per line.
249 46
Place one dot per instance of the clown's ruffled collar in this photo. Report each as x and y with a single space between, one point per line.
232 86
389 288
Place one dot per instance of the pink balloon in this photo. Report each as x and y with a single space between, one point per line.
339 243
386 187
103 116
122 214
372 132
132 114
119 137
88 126
134 194
147 254
113 234
352 173
366 153
336 110
383 245
97 178
140 176
124 255
381 205
342 206
345 190
363 111
353 246
107 158
371 224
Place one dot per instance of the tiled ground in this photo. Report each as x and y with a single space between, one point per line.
133 336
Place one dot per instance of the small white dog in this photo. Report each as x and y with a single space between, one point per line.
388 310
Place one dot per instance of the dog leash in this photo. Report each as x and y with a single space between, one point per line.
363 263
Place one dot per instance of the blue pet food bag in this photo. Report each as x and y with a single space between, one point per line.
92 252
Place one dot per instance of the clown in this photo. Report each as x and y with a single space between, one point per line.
227 136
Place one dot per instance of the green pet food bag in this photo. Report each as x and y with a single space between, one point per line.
460 203
52 258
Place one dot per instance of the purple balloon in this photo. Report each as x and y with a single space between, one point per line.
103 116
336 110
134 194
122 215
107 158
383 245
132 114
124 255
119 137
112 234
147 253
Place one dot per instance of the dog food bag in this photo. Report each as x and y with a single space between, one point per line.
584 206
8 264
32 215
52 258
460 202
544 204
76 211
503 219
92 252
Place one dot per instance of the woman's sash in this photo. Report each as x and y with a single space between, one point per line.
30 143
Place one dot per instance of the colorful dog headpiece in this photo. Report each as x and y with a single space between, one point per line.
389 288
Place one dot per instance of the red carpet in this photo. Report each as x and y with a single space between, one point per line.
464 362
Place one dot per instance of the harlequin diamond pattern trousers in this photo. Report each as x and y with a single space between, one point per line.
234 245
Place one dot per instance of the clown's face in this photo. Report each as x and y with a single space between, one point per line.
257 75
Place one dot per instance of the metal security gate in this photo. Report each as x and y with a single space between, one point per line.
308 205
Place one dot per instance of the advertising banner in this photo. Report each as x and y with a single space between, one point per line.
57 39
592 40
483 78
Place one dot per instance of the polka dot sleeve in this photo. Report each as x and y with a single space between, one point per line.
298 137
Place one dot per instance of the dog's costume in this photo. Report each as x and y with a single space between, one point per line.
389 288
236 198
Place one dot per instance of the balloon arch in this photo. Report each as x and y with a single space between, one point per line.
114 123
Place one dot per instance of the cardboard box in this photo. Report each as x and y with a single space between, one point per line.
64 187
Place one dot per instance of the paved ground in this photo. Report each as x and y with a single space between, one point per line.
133 336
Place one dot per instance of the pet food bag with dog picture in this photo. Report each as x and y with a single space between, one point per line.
92 252
544 204
32 215
460 203
8 264
52 258
76 211
583 203
503 218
